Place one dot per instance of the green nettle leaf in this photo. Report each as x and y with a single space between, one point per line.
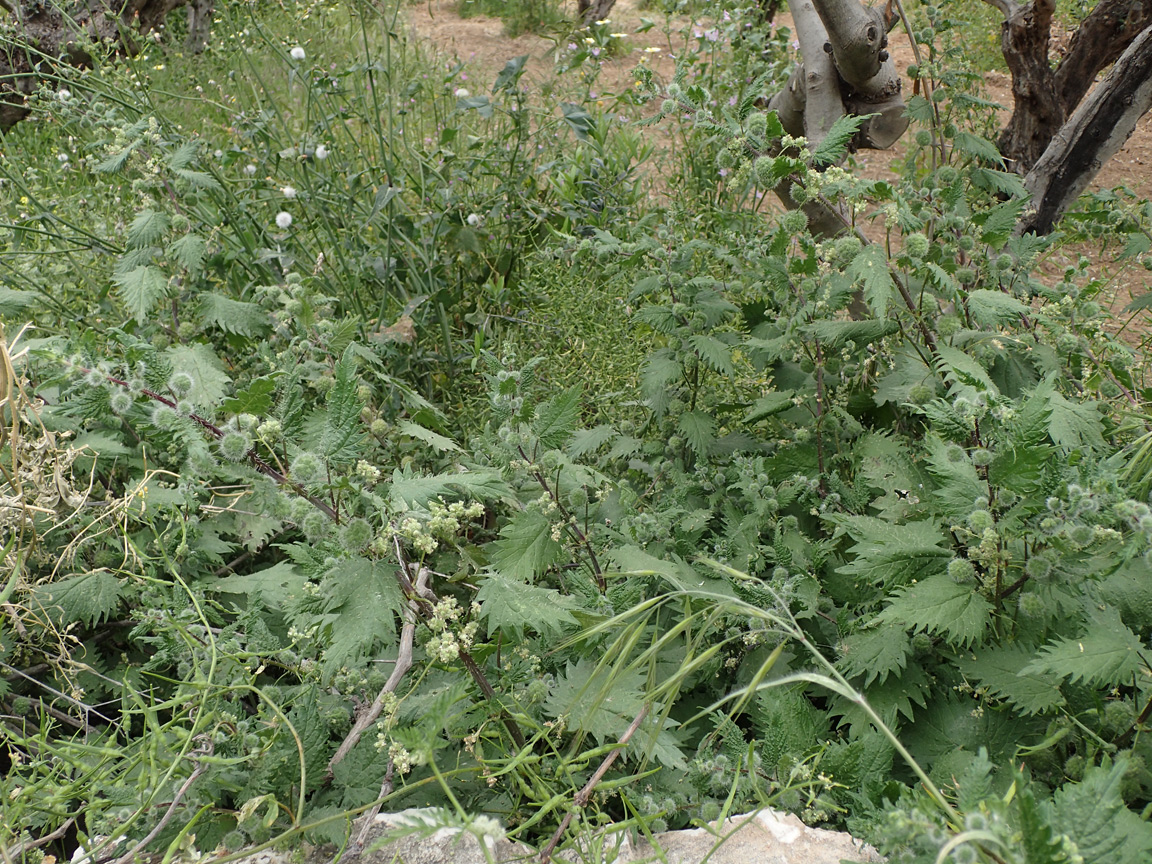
981 148
698 429
959 486
888 554
526 548
557 418
940 605
1073 425
343 430
998 222
870 267
410 489
188 252
362 600
140 289
515 606
274 586
992 309
256 398
184 155
834 147
834 334
1000 670
1093 815
197 179
209 380
148 227
585 441
875 653
87 599
233 316
959 368
1106 656
436 441
1039 842
713 352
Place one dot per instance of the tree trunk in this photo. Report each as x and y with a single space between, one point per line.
1038 112
48 36
1092 135
591 11
1097 42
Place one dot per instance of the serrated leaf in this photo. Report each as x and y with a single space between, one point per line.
981 148
1093 815
889 554
837 333
515 606
148 227
677 573
997 223
875 654
1072 425
140 289
1039 841
362 599
715 354
197 179
274 586
958 367
183 155
941 606
991 309
87 599
557 418
409 489
958 487
698 429
437 442
343 429
585 441
233 316
526 548
188 252
870 267
256 398
113 163
1000 671
834 147
1106 656
209 380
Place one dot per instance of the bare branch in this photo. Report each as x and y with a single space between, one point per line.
585 794
1006 7
823 105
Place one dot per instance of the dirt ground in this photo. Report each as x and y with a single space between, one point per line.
481 44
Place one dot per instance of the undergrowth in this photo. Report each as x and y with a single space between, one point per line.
370 438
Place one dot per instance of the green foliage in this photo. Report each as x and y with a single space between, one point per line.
855 530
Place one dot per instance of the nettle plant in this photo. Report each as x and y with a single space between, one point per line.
915 444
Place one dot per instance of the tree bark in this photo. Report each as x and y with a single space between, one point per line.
591 11
1038 112
1095 131
1097 42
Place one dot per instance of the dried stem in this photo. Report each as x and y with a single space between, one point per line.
205 749
585 794
20 849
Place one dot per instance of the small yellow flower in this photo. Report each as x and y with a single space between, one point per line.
618 35
603 21
158 67
651 49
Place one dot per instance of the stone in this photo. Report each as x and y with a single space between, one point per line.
430 836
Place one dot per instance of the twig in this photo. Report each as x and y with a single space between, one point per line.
403 664
370 816
21 848
204 750
585 794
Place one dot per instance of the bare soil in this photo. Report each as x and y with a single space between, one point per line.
481 43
